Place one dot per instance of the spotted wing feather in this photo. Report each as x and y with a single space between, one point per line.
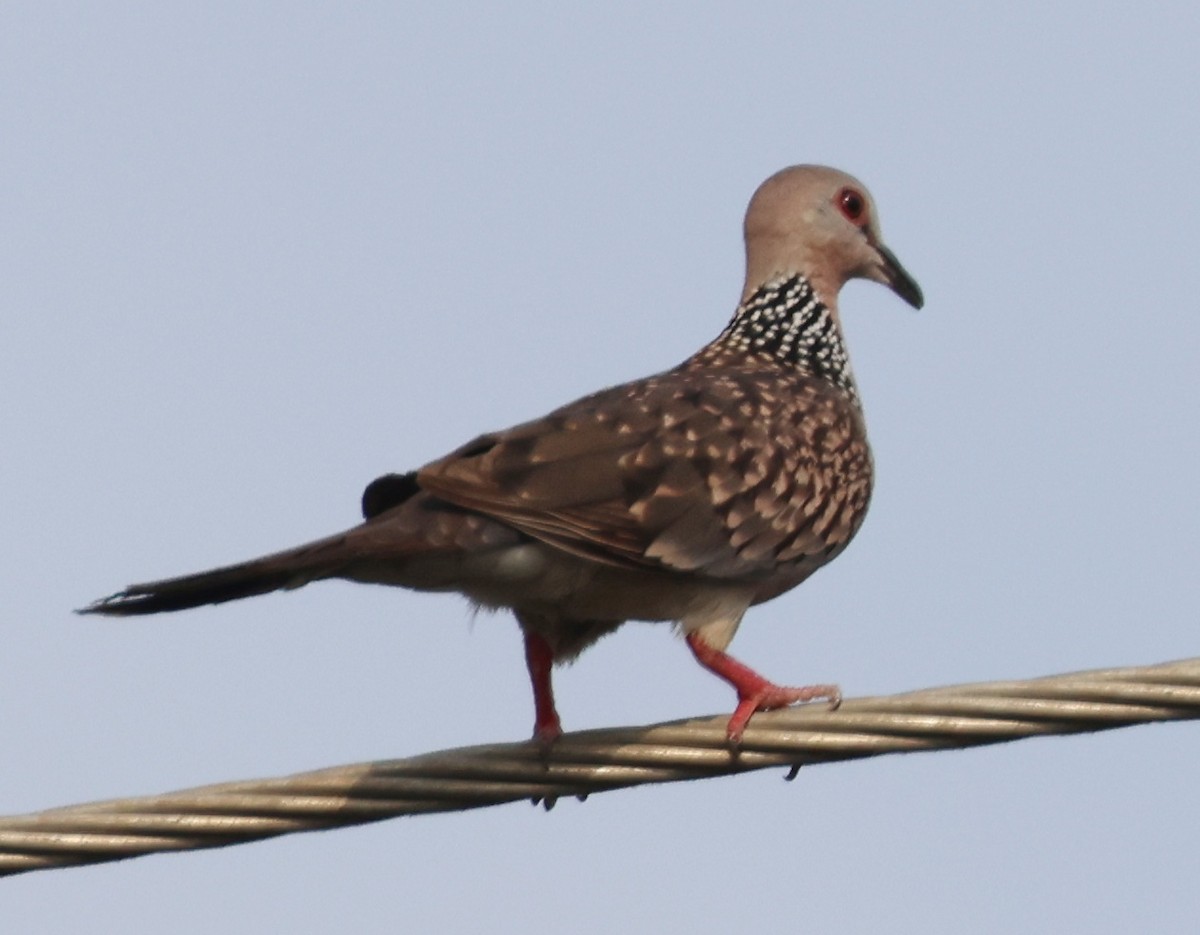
730 475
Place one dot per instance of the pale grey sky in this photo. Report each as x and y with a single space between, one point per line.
256 254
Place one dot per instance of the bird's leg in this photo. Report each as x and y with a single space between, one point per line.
754 692
540 658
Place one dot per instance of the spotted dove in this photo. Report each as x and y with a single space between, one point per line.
687 496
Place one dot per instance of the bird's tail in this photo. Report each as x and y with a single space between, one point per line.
325 558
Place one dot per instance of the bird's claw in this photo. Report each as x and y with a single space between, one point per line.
770 697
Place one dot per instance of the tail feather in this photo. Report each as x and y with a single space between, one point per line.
294 568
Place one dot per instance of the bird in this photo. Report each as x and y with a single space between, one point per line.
684 497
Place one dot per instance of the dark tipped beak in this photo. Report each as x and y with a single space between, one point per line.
896 278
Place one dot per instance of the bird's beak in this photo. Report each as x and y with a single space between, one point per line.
896 277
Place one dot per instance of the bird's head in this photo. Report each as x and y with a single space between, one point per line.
822 224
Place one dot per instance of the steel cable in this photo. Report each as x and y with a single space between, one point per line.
593 761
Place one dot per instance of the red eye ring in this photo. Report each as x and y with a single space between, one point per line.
853 204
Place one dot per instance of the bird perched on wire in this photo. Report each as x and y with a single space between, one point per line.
687 496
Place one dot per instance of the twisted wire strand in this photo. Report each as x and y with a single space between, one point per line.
587 762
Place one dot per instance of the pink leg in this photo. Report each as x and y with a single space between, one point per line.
540 658
754 692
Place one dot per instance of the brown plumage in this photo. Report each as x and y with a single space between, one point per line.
687 496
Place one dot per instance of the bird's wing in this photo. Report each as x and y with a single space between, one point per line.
725 475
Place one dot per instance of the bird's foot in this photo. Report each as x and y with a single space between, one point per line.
547 730
768 696
754 692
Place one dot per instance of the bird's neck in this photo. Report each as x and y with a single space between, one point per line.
787 323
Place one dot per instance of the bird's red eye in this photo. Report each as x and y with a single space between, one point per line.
852 204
